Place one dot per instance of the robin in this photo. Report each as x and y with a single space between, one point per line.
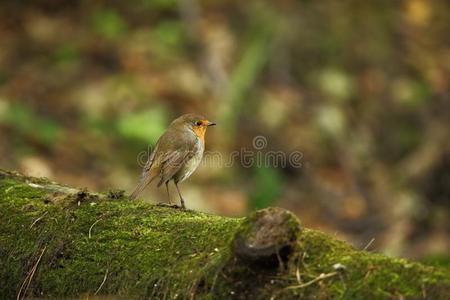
177 154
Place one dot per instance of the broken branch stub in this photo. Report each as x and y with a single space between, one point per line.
266 237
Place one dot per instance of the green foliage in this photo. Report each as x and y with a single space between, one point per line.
161 4
145 125
268 187
167 40
254 58
27 122
66 53
109 23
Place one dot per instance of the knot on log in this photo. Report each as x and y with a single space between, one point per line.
266 237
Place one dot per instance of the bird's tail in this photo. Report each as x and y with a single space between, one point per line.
145 180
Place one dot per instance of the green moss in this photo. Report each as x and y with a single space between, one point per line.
363 275
146 251
136 243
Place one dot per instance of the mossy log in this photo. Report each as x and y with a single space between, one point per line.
57 241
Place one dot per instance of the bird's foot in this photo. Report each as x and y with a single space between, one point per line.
170 205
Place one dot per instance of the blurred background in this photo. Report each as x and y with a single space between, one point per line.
360 88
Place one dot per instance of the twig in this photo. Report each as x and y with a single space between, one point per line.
103 282
90 228
320 277
368 244
27 281
297 275
38 219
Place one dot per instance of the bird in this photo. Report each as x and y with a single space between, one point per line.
176 155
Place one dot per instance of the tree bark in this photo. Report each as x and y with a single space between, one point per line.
58 241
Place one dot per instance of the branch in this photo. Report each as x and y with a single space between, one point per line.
140 250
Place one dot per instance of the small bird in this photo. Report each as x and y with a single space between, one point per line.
177 154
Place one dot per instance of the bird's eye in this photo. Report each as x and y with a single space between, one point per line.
198 123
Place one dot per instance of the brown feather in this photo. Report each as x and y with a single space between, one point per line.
145 180
174 164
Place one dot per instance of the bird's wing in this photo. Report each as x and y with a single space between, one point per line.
172 151
149 163
174 161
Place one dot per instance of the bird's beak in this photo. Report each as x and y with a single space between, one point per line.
211 123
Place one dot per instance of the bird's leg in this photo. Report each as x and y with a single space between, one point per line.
169 204
181 197
168 194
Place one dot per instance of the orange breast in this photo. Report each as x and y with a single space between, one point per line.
200 132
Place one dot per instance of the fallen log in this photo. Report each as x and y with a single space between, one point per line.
58 241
